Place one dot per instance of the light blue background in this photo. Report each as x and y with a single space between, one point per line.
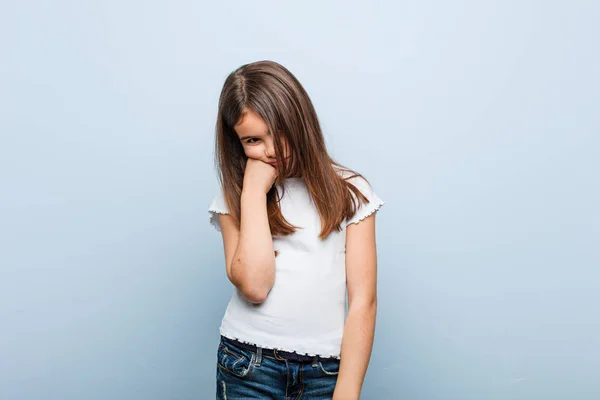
477 121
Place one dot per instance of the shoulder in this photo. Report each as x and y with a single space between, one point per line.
354 178
363 208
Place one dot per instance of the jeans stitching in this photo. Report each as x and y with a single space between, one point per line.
301 381
245 372
327 372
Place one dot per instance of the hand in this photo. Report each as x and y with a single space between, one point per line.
259 176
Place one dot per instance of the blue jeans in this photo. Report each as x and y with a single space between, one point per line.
243 374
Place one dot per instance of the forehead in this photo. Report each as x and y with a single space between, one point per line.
251 124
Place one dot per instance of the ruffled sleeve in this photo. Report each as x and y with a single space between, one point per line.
218 206
365 209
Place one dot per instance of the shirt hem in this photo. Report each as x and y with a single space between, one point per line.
286 349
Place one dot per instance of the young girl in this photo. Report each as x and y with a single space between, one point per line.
299 234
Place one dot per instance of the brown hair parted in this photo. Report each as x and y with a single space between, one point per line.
271 91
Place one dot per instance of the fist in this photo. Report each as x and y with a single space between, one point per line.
259 176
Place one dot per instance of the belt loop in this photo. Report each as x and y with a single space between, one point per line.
315 361
258 356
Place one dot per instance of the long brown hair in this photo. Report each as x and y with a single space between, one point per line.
272 92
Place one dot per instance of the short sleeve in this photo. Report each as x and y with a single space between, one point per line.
218 206
364 209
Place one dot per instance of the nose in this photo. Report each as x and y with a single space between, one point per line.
270 150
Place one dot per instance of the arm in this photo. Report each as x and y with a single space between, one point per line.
249 254
361 278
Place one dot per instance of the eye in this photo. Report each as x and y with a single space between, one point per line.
252 140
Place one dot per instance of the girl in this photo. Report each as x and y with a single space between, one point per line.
298 233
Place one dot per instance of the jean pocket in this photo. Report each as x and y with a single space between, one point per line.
329 367
234 360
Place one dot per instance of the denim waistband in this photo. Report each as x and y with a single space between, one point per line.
277 354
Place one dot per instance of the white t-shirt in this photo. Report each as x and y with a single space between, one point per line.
305 310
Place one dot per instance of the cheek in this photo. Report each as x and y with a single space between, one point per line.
253 152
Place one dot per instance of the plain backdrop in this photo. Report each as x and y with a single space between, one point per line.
476 121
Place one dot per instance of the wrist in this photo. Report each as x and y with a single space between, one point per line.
251 193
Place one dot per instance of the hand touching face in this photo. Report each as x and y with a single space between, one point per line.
256 140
